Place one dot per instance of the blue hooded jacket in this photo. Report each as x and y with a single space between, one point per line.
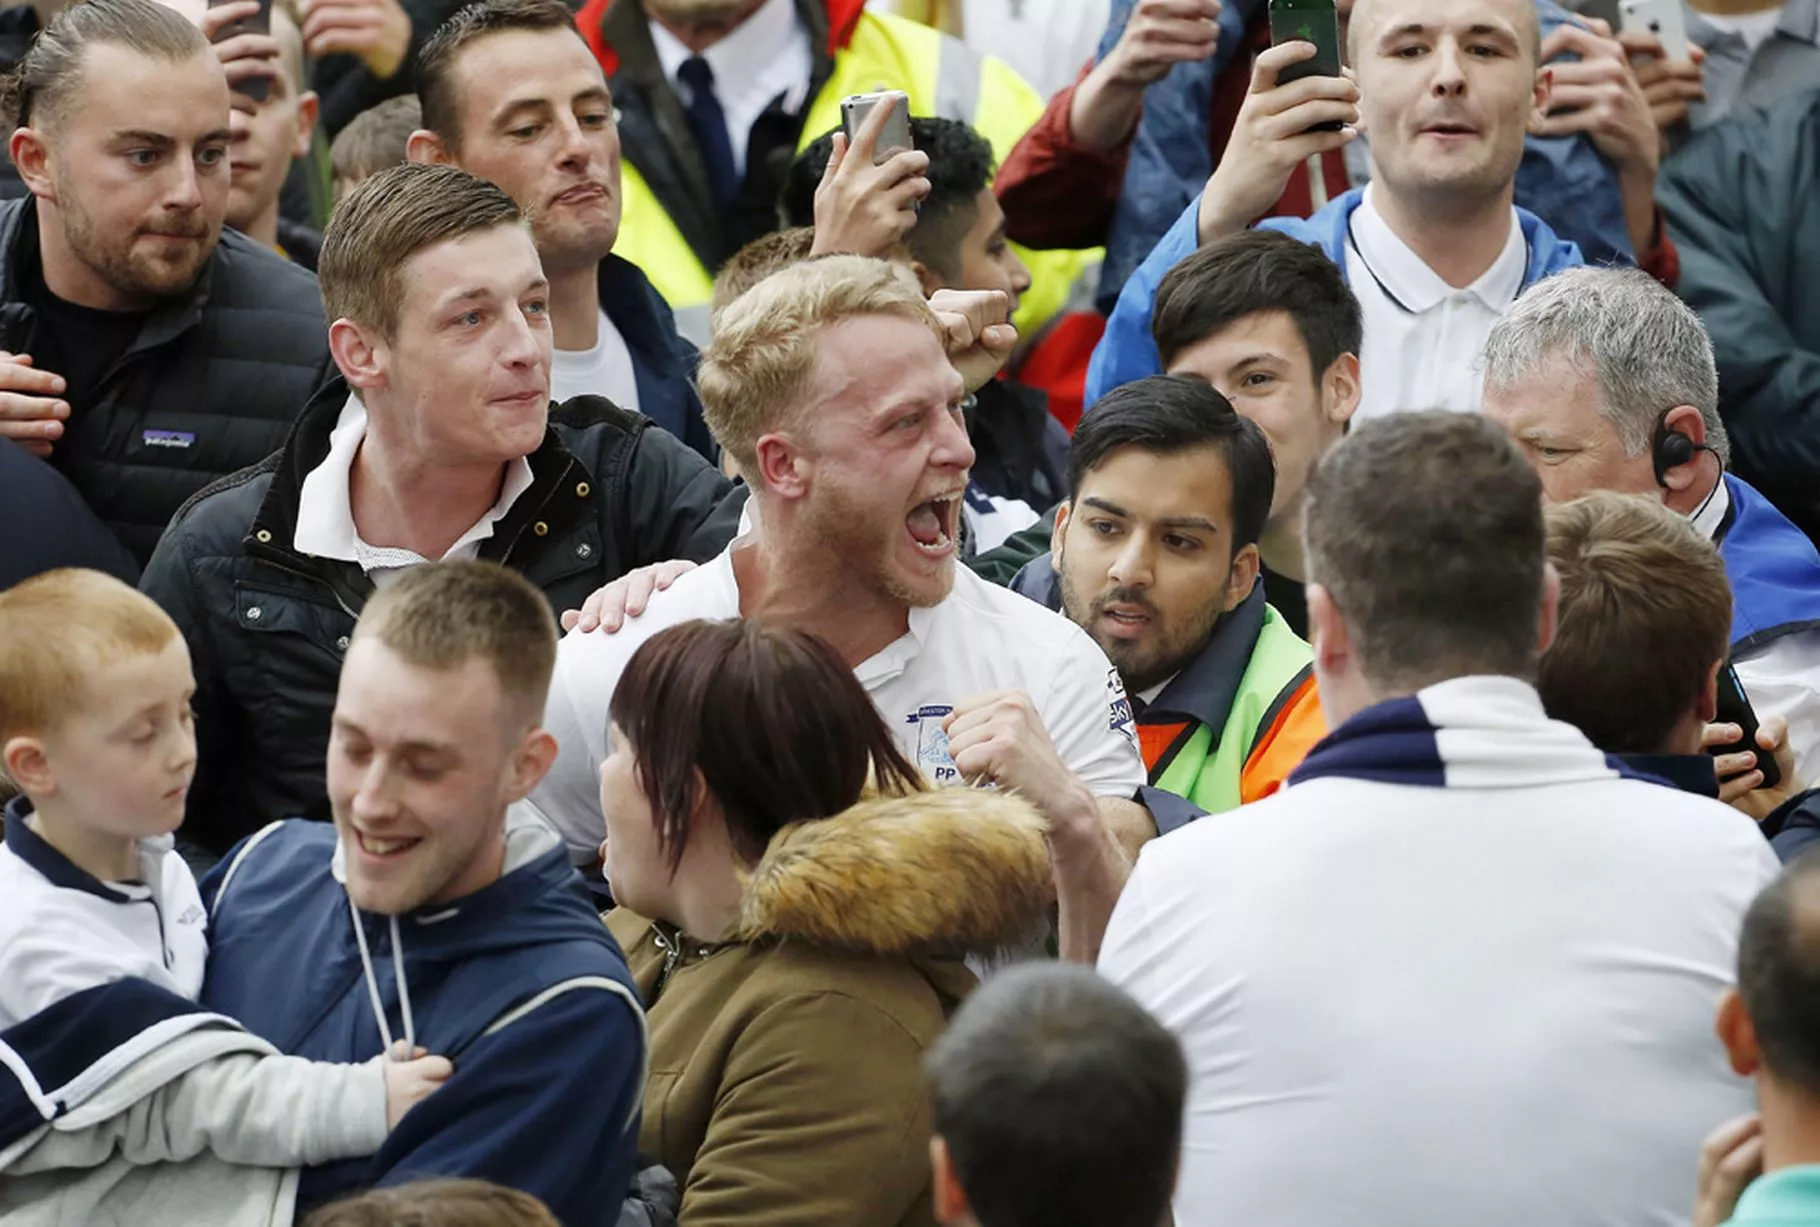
1562 177
519 984
1773 567
1128 350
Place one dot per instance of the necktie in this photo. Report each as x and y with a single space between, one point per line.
708 123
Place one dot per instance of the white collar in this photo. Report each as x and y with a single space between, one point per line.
760 41
1404 275
325 510
1708 518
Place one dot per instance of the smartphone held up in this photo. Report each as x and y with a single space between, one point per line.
256 88
855 108
1308 21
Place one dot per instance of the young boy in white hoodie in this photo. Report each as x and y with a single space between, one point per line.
96 731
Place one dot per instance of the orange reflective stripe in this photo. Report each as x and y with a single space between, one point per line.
1281 748
1157 740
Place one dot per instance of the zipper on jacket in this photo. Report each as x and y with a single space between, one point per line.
312 579
672 955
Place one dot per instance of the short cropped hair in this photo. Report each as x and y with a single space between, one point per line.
1426 530
290 44
757 260
38 91
1167 415
1645 614
1248 274
756 367
1646 347
960 168
436 1203
1060 1101
441 615
389 218
376 138
436 88
1779 973
56 630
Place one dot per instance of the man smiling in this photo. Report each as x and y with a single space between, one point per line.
438 441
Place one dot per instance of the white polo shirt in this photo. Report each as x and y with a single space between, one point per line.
325 508
980 638
62 930
1423 338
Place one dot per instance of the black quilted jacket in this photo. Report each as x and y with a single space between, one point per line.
211 385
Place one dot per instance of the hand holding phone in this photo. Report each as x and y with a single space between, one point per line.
1661 18
241 31
1734 708
1308 21
893 137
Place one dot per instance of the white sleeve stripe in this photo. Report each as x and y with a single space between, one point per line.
597 982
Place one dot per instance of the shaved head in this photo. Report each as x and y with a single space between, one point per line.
1367 15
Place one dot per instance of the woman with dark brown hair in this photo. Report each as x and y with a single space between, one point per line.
795 907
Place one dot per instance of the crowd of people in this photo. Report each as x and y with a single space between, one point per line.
1125 633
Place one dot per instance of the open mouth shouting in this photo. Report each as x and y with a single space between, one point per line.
934 526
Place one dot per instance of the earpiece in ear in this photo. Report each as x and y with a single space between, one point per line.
1669 449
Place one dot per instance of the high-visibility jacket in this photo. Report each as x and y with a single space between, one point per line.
1273 720
867 51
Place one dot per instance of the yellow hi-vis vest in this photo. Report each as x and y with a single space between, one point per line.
945 79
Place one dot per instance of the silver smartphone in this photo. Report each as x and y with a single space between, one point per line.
1663 18
895 137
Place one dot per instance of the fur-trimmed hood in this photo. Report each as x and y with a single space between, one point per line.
949 870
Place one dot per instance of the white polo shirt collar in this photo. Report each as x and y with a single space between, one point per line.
1403 275
325 509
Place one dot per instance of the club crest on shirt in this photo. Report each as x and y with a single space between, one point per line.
1121 719
932 757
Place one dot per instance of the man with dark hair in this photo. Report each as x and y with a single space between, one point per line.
146 352
1269 322
484 946
958 243
511 93
1057 1100
1155 556
437 441
1770 1025
1457 910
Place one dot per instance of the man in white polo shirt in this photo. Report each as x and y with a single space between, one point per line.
1434 247
1461 969
828 385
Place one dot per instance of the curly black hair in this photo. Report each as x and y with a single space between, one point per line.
961 166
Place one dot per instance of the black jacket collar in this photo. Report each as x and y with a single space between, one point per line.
554 470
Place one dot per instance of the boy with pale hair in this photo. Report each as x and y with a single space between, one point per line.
102 948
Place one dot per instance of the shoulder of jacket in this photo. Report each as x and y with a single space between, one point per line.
227 504
260 279
581 417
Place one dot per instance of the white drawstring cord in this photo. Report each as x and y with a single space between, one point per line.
404 994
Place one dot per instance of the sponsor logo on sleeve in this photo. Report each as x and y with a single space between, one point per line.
1121 720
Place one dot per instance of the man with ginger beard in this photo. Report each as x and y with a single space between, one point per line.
146 352
826 383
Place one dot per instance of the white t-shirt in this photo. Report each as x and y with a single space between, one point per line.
1753 28
63 930
1486 1003
981 638
1425 357
606 370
